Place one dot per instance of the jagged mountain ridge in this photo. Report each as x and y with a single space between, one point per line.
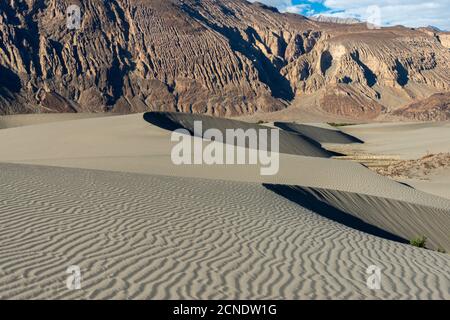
227 57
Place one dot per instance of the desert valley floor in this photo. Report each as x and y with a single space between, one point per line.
103 194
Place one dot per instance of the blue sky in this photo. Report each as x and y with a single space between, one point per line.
411 13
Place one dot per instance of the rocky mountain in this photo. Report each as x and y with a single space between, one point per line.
436 107
224 58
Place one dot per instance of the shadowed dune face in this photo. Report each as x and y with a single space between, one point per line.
290 143
310 200
387 218
318 134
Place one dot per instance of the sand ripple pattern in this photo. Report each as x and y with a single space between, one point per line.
155 237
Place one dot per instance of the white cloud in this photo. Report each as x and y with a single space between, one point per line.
303 8
297 8
411 13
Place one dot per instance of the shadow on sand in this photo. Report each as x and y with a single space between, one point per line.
307 199
289 142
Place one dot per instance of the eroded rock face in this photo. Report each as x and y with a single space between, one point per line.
444 38
344 101
223 58
433 108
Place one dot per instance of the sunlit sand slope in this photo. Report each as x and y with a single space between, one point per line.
319 134
21 120
142 236
407 140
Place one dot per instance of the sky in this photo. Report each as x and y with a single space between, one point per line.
411 13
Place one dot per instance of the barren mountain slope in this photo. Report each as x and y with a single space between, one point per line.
436 107
226 57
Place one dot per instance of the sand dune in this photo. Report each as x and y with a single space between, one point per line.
155 230
407 140
130 144
438 183
290 143
381 216
148 237
320 134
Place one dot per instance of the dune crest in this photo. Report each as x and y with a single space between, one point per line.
322 135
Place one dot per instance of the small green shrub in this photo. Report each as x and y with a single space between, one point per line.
419 242
441 250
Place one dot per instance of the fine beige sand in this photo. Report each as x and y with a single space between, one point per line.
437 183
151 237
130 144
14 121
145 228
407 141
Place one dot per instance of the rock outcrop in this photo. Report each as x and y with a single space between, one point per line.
433 108
223 58
444 38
